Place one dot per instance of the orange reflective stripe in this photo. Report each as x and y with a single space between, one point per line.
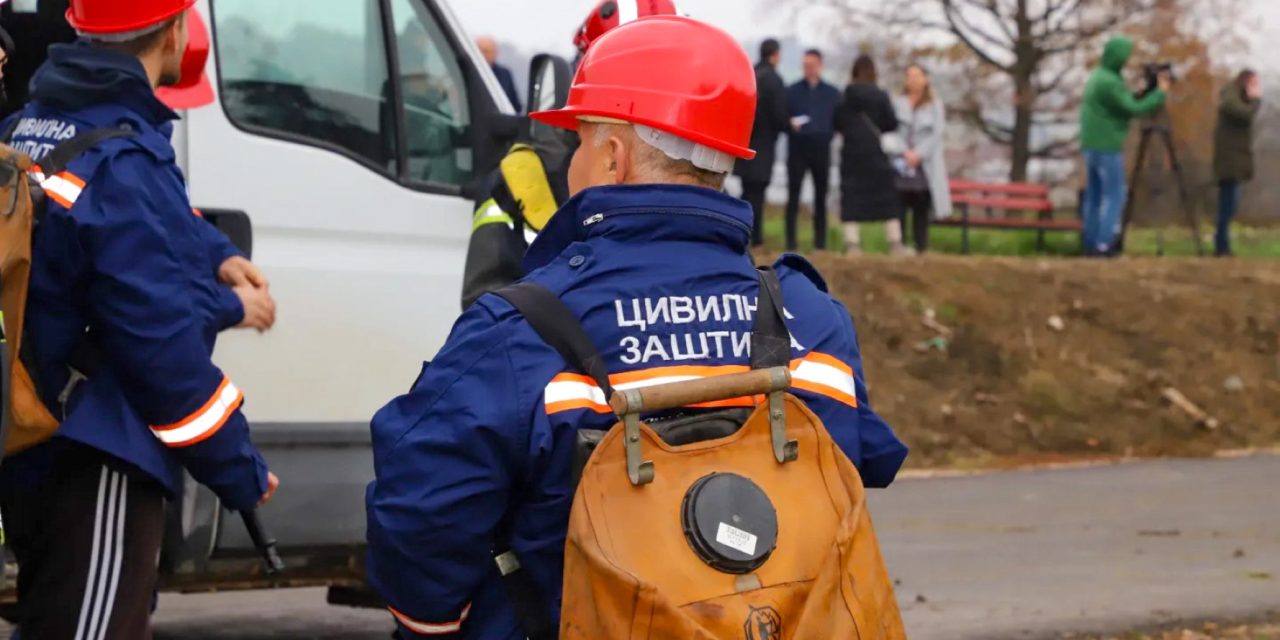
64 188
432 628
205 421
825 375
817 373
823 358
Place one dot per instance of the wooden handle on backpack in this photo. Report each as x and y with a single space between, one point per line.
682 394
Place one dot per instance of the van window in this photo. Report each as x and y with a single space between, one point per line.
311 69
434 91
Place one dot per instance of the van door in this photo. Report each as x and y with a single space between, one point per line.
348 132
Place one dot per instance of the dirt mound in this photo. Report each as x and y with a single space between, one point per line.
985 361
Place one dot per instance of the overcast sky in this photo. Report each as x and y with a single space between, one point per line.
548 25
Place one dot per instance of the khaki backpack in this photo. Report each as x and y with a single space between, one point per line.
744 524
25 420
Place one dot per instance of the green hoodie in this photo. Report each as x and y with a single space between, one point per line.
1108 104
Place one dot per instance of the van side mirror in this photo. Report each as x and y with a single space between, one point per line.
549 80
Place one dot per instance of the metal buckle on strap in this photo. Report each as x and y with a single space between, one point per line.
507 563
72 382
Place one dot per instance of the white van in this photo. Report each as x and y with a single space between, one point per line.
345 150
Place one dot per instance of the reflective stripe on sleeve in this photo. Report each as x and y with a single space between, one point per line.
431 628
490 213
64 188
824 375
206 421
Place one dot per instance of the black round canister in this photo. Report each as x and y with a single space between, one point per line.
729 522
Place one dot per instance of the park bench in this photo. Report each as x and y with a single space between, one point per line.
997 201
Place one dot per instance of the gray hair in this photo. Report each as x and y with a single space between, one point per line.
652 164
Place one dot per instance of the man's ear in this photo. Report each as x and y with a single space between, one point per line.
173 39
620 168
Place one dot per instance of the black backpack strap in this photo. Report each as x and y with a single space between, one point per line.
8 131
770 341
560 328
63 154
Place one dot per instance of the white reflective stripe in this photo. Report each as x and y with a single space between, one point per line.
430 628
571 391
827 376
203 423
61 187
38 175
530 235
638 384
628 10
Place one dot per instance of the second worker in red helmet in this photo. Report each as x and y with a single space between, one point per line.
530 184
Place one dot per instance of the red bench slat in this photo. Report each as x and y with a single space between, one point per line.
1012 223
1011 189
1007 204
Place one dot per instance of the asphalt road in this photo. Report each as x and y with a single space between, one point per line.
1025 554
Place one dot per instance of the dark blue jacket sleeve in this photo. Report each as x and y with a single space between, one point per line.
143 314
220 249
826 333
444 458
219 245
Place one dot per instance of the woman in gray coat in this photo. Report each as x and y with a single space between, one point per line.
922 169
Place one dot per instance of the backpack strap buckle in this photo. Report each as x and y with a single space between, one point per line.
639 470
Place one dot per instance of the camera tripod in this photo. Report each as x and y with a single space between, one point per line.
1158 127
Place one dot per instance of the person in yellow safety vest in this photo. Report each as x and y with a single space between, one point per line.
531 183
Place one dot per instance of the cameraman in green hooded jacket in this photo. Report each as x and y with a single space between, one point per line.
1107 109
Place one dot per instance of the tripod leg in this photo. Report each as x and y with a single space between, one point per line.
1134 176
1183 196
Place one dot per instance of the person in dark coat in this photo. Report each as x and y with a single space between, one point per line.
867 178
489 49
771 120
1233 149
812 104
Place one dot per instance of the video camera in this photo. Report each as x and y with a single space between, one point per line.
1151 73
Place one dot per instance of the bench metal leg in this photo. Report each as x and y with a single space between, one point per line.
964 230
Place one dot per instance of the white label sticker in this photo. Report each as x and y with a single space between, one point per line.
735 538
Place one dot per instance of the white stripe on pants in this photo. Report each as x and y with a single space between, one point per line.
103 576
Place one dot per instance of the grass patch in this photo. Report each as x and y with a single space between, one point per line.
1248 242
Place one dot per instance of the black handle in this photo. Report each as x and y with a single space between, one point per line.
263 542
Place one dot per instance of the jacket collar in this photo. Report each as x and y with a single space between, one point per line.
79 76
644 213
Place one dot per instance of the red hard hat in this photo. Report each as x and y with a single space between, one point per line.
705 91
614 13
194 89
122 16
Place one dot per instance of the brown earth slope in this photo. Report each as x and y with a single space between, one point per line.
1030 359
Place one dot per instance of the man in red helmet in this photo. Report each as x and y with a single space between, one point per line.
128 291
651 257
530 184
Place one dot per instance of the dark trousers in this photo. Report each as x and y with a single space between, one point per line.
918 205
753 192
1228 204
803 158
87 544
